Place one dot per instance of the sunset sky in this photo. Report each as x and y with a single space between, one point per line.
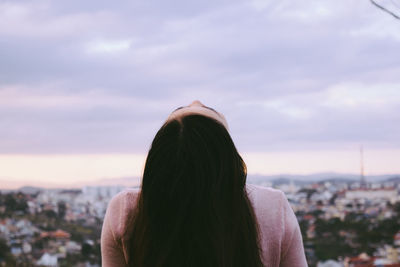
85 85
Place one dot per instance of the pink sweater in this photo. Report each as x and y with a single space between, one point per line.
280 238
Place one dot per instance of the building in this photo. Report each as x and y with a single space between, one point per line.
389 194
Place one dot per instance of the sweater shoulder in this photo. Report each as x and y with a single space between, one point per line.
270 209
120 211
264 197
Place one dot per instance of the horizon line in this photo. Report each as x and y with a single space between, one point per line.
135 181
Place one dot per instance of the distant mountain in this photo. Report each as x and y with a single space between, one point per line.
395 179
274 180
319 177
117 181
339 180
30 190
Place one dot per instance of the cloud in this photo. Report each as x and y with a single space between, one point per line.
108 46
36 21
100 77
352 95
338 116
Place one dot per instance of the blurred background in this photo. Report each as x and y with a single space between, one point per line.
311 92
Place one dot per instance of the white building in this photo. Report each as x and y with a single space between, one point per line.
48 260
389 194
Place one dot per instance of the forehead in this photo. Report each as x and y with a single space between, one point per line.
208 112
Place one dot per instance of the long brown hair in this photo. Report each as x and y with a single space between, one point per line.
193 208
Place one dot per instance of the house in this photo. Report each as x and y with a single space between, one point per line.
48 260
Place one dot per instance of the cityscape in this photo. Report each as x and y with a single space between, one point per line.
301 87
344 222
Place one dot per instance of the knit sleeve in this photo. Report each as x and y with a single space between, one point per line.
111 250
292 243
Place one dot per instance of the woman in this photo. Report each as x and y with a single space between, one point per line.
194 207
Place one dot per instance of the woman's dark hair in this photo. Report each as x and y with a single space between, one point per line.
193 208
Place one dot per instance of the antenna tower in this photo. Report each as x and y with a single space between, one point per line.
363 183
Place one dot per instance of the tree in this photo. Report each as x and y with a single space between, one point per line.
5 255
62 208
15 203
86 250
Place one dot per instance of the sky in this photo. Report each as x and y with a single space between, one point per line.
84 86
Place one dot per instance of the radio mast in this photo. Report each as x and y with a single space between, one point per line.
363 183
